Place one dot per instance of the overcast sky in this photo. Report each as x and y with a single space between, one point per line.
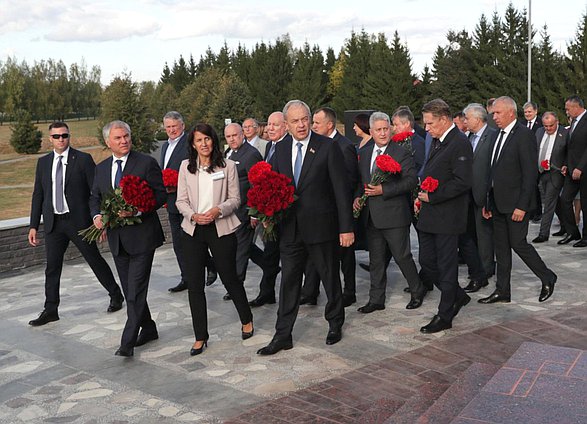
140 36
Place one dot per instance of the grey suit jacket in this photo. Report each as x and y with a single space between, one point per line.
558 157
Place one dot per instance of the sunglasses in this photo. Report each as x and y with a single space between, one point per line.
58 136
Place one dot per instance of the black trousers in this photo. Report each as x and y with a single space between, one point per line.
439 262
508 236
294 256
570 190
224 252
175 220
134 272
268 260
56 243
348 266
244 239
468 248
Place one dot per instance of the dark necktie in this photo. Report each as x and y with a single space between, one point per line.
374 166
59 206
118 175
572 128
529 125
496 153
298 163
271 151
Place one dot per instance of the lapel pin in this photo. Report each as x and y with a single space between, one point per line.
312 150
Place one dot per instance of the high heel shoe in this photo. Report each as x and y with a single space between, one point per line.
194 351
247 334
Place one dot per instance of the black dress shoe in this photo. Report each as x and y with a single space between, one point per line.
146 337
537 219
196 351
348 300
540 239
211 277
569 238
366 267
275 346
333 337
44 318
180 287
115 303
308 300
226 297
560 233
260 301
476 285
247 334
124 352
415 302
428 289
371 307
459 304
495 297
437 324
547 289
581 243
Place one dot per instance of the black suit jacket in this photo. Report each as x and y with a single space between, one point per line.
79 176
419 147
138 238
515 173
537 123
482 165
558 157
245 158
392 209
268 147
179 154
323 208
349 153
452 165
577 147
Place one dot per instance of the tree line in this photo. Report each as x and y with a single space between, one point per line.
371 71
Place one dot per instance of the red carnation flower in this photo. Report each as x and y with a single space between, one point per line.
545 165
429 184
402 136
170 177
258 171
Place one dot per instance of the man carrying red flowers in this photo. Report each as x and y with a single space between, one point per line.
443 214
386 212
132 246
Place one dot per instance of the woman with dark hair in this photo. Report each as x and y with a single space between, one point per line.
207 197
361 128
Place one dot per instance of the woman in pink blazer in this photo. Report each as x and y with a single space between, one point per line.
207 197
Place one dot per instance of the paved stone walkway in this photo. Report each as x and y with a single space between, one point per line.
66 371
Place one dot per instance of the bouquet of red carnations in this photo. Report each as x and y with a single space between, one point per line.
429 185
404 139
385 166
270 195
170 177
133 195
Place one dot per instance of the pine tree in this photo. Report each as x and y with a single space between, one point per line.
180 74
25 137
165 75
309 77
232 100
577 60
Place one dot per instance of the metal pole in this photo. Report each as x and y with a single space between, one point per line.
529 50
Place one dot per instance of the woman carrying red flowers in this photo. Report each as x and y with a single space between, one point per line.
207 197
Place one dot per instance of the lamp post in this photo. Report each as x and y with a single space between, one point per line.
529 50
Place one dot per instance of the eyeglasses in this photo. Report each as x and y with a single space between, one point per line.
58 136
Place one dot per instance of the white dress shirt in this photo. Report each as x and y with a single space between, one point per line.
115 167
170 148
64 157
294 149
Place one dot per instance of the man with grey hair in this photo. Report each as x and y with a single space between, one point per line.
250 127
317 223
478 228
387 215
132 246
403 121
512 184
551 141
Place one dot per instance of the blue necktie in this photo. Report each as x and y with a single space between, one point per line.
118 175
298 163
271 151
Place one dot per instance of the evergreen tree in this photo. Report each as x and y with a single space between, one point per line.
309 77
223 59
547 79
25 137
165 75
231 100
194 101
240 63
121 101
180 74
577 60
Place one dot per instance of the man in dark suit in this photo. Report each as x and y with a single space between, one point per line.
479 229
552 146
132 246
63 181
533 121
576 178
403 121
245 156
315 225
387 215
324 123
512 182
443 215
268 258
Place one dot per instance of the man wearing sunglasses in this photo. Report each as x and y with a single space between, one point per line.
63 183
